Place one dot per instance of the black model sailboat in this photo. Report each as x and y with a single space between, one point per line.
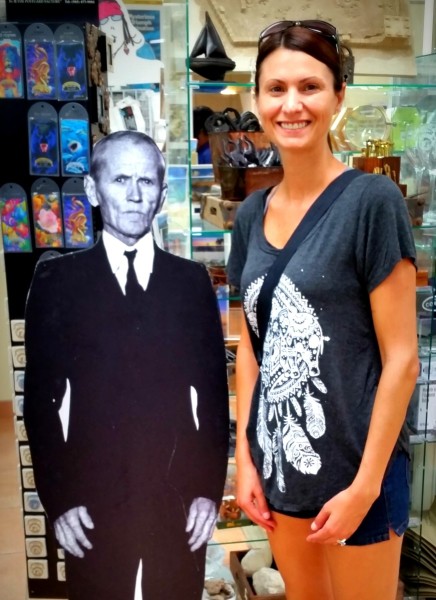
208 57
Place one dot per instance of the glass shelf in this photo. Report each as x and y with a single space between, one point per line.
425 227
414 520
202 229
418 438
231 317
391 86
220 85
248 534
248 85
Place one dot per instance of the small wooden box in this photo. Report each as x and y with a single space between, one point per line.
242 582
218 212
386 165
237 183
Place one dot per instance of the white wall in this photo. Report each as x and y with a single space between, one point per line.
5 368
417 23
244 56
5 360
5 376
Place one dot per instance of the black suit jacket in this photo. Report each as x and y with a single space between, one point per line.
132 433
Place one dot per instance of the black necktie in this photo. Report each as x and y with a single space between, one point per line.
133 289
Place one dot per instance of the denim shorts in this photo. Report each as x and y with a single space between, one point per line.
389 511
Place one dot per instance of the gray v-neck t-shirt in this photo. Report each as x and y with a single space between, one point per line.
321 364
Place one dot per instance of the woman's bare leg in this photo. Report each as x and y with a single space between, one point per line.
365 572
303 565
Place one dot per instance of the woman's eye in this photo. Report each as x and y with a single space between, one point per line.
311 86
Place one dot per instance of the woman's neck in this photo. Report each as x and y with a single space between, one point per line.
306 176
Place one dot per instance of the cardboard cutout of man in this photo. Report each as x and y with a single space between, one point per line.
126 404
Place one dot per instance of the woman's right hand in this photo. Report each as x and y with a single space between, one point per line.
250 497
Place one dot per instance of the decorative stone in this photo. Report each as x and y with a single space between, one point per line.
25 456
17 330
36 547
256 559
34 525
28 478
268 581
18 404
20 430
218 589
19 381
37 569
60 568
18 357
32 503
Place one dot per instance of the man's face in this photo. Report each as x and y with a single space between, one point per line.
129 191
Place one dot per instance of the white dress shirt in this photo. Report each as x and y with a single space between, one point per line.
143 262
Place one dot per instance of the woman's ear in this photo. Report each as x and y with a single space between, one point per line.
340 97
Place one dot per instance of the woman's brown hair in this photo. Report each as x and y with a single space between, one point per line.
303 40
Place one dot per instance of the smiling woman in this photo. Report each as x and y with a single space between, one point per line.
321 452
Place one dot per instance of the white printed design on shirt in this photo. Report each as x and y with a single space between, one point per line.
250 302
289 415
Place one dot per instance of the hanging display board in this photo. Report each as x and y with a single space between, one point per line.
47 105
52 10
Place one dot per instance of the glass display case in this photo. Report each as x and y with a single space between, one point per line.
176 223
418 564
401 113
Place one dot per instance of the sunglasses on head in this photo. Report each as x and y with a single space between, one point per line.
326 30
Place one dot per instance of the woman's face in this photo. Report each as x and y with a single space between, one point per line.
296 100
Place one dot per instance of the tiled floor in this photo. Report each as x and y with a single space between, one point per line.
12 556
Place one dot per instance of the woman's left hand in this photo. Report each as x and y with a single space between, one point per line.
340 517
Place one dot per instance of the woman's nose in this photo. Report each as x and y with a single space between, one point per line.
292 100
